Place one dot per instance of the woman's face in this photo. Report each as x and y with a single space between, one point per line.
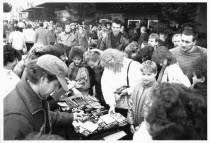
77 60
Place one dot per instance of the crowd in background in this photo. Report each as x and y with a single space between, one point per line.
164 82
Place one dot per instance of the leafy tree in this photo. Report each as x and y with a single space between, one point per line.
42 14
81 12
7 7
178 14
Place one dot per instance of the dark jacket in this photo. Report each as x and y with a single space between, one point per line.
25 112
106 43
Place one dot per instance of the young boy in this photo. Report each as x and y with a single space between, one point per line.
140 95
153 40
78 71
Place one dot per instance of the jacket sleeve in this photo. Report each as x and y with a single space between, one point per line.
108 87
147 103
103 44
130 116
125 43
61 118
134 76
16 126
84 79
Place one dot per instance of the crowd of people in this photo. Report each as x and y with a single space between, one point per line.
161 90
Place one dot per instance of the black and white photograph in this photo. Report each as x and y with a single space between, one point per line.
104 70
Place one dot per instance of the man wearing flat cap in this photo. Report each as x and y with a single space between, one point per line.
26 109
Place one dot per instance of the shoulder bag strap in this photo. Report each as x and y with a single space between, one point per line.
127 74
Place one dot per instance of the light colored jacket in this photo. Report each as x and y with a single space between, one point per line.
41 36
68 39
174 74
111 81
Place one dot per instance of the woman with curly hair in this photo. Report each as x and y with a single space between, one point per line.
119 72
131 49
170 72
175 113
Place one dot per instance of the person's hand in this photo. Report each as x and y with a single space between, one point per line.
132 129
111 110
77 93
124 92
133 55
117 96
70 84
136 128
78 115
164 63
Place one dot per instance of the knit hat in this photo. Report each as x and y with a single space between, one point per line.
55 66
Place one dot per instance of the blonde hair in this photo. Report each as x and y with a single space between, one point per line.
149 66
112 59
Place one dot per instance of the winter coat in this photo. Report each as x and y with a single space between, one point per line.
25 112
106 43
83 76
174 74
111 81
138 103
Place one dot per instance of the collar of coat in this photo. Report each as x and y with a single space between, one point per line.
33 102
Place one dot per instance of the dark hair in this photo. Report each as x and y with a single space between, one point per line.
60 47
10 54
146 53
35 72
29 26
189 30
177 113
38 136
17 28
76 51
162 53
117 21
93 45
200 68
41 24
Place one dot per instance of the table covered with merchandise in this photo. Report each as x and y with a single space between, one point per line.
96 122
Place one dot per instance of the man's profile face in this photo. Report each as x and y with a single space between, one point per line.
187 42
46 87
116 28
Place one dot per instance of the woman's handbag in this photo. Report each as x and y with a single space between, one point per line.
122 101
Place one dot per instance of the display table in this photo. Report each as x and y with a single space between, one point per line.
96 123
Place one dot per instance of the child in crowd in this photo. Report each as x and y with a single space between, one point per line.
78 71
140 95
